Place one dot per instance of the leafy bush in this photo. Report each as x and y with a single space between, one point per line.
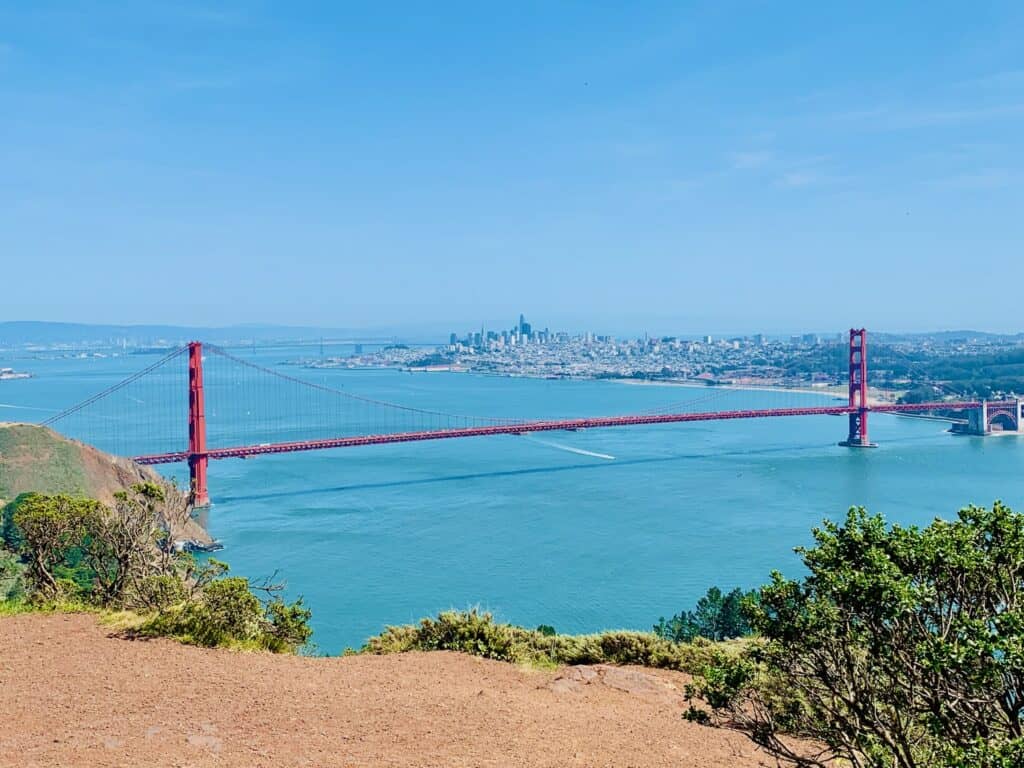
902 648
79 552
469 632
107 551
9 534
227 613
160 591
12 582
478 634
289 625
228 608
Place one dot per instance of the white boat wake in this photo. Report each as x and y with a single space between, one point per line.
568 448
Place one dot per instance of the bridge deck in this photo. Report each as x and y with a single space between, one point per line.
243 451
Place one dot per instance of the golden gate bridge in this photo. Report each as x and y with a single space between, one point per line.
347 420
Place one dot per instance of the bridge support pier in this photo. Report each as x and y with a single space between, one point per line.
858 434
197 457
998 417
977 420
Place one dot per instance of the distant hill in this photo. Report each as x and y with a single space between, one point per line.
949 336
18 333
34 458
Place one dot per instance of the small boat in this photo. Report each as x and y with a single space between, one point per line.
191 545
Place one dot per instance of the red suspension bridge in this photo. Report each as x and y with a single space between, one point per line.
162 436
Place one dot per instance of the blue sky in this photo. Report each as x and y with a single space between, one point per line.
674 167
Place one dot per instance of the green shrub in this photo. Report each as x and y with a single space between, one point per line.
159 592
478 634
394 639
12 582
77 552
984 754
289 625
9 533
67 589
901 647
470 632
227 613
231 608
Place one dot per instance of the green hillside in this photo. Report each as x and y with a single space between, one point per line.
34 458
37 459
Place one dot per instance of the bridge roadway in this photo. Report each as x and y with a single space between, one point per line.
515 428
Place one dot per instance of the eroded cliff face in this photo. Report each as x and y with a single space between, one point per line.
35 458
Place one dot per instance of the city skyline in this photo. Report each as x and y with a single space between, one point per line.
20 334
524 332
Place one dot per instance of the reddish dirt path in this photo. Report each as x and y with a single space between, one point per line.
72 695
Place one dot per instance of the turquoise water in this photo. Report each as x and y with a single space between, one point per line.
538 534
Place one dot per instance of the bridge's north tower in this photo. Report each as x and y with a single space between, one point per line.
858 436
197 457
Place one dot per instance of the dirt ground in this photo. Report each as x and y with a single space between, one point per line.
72 694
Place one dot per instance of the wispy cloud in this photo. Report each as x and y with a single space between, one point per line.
889 117
800 179
809 172
637 148
784 170
986 178
1007 78
743 161
203 13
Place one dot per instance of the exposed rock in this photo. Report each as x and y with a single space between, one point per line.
627 679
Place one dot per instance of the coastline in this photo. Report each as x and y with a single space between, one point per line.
835 395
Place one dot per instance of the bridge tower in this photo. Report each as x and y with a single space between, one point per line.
197 458
858 436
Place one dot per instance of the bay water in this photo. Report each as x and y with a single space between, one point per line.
589 530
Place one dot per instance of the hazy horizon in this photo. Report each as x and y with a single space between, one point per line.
439 333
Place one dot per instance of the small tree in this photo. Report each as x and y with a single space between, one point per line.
49 527
122 555
902 647
716 617
120 543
